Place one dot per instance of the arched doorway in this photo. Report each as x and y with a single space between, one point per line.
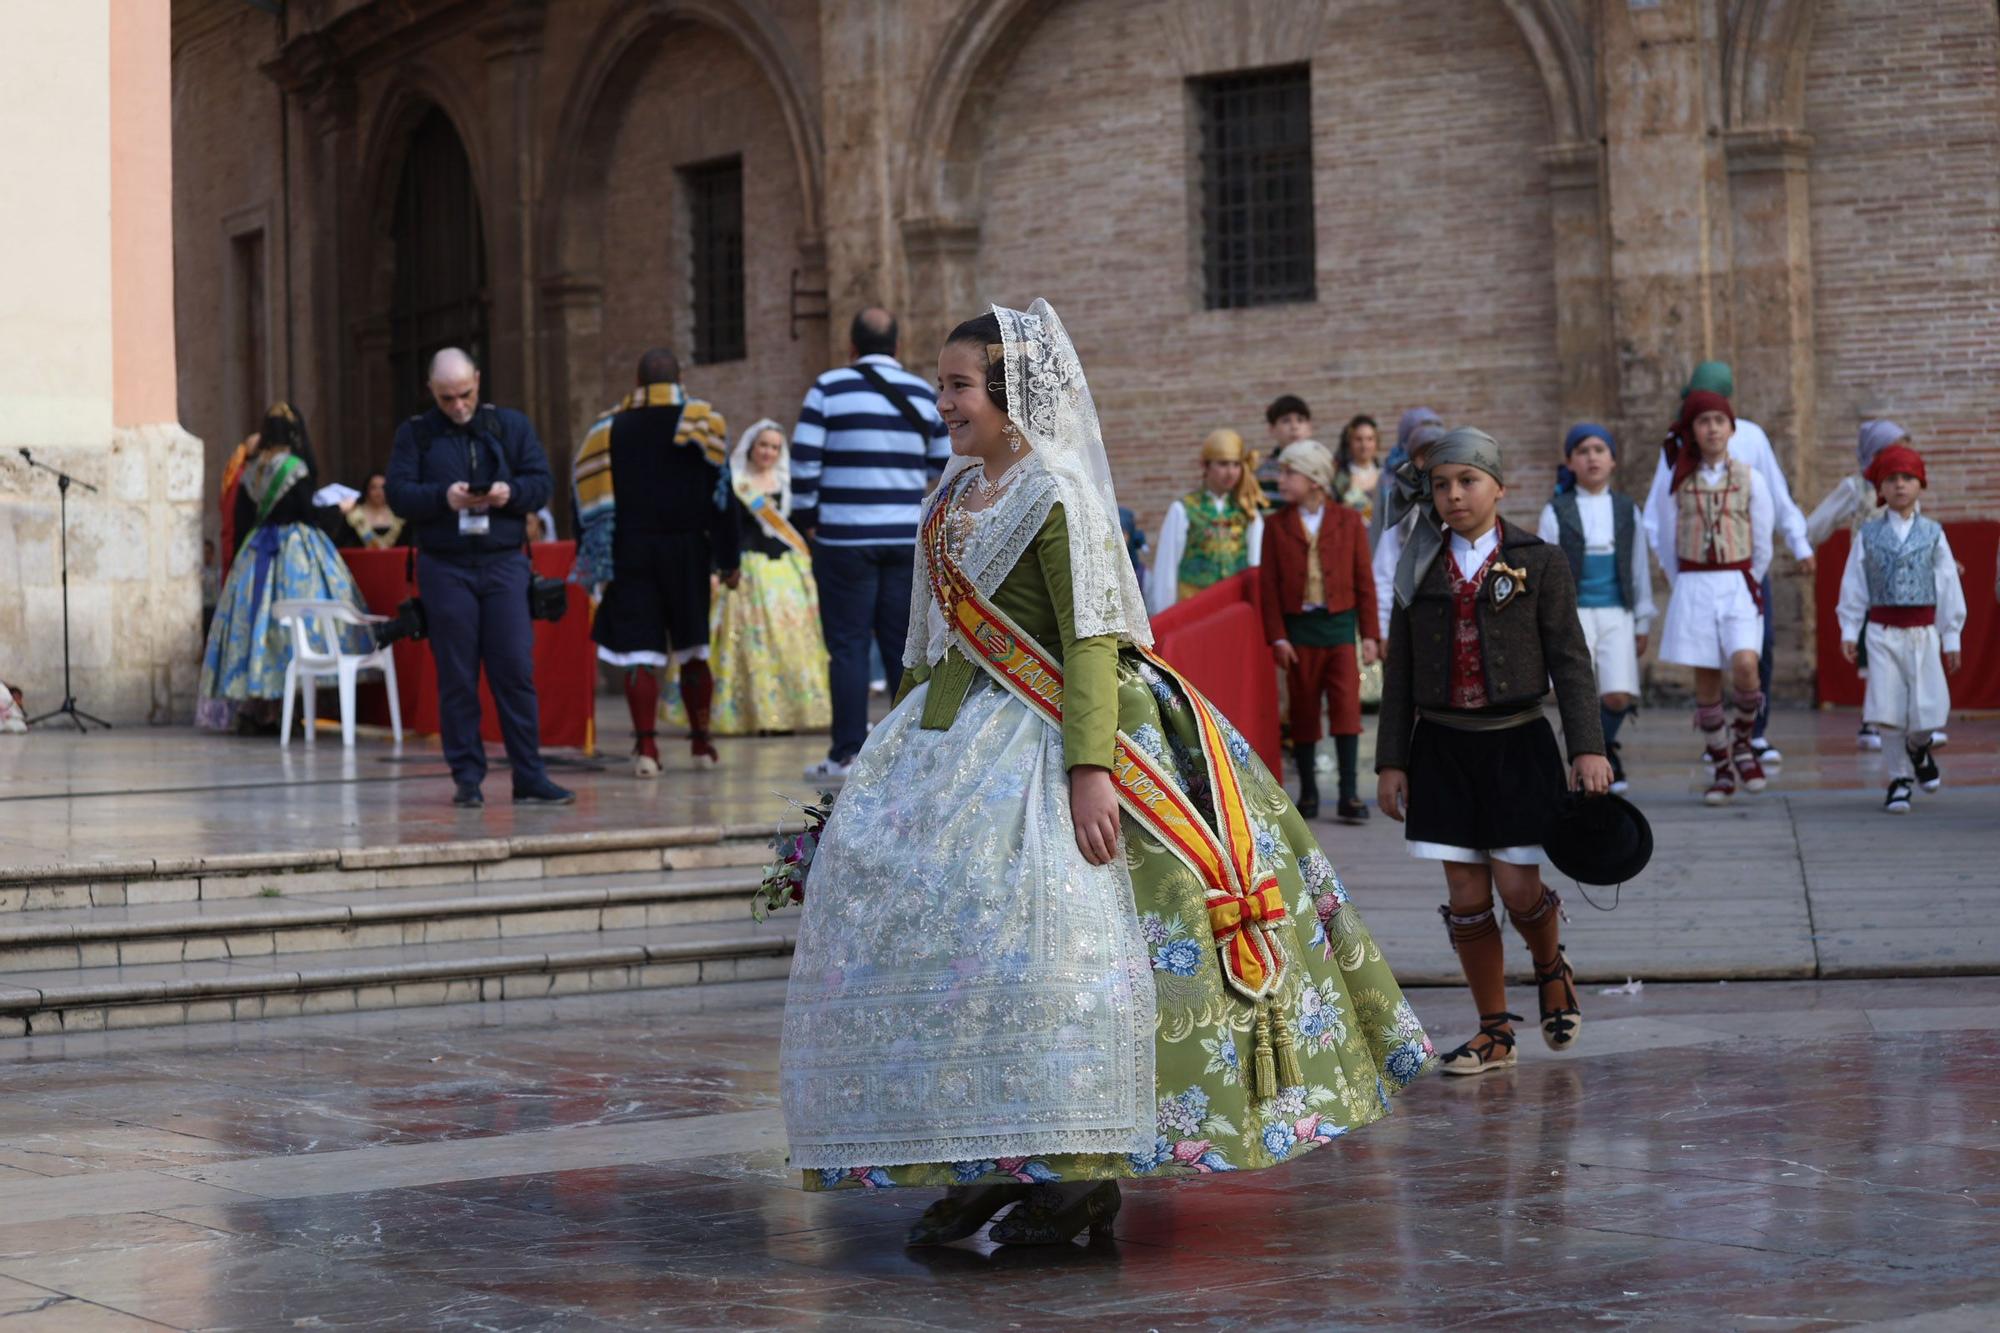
439 294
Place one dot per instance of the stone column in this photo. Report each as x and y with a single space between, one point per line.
866 69
1665 188
87 380
513 45
1772 298
1582 275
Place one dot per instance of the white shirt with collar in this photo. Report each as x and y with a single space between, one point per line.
1470 555
1852 609
1600 537
1750 446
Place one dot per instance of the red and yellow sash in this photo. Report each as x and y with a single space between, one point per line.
1245 908
771 520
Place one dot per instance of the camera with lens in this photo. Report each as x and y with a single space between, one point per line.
409 622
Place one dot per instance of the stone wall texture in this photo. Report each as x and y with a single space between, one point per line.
1527 211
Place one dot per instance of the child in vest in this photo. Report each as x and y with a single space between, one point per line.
1712 537
1319 600
1901 590
1484 622
1598 531
1850 504
1211 533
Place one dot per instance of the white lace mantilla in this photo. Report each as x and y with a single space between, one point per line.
1049 400
966 986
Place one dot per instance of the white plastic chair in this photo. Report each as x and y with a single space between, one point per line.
302 673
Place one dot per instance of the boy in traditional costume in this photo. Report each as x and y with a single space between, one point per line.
1712 537
1211 533
1062 928
1484 622
1901 590
1600 534
1851 503
654 542
1319 602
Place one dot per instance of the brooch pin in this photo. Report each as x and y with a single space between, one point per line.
1506 583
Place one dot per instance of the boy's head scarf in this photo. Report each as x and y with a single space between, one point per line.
1876 436
1897 459
1683 454
1713 376
1581 431
1310 459
1467 445
1226 446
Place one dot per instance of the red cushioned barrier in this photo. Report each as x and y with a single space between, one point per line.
1216 639
565 658
1976 545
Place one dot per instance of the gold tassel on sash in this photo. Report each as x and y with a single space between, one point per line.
1289 1073
1265 1066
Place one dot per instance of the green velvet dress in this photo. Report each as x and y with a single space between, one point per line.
1355 1037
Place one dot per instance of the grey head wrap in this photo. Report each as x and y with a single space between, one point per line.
1467 445
1875 437
1417 431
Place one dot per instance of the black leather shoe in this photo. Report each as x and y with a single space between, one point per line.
1352 811
545 794
468 796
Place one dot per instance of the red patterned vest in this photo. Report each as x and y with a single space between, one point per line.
1468 654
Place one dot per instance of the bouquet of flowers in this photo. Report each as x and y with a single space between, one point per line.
785 878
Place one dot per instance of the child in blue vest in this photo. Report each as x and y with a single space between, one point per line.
1901 589
1600 533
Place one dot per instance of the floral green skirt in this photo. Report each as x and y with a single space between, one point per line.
1355 1036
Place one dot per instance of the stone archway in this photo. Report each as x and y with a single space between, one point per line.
569 239
426 98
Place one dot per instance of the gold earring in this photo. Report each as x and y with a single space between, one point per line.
1013 437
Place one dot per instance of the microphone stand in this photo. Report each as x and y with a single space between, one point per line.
69 708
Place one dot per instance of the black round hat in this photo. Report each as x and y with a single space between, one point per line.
1599 840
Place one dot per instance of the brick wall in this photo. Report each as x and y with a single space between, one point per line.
1903 103
1432 220
702 98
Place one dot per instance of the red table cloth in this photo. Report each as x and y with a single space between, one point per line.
565 658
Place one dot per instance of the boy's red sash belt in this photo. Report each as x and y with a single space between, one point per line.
1902 617
1244 907
1738 566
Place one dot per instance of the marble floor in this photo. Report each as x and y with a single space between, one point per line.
1752 1156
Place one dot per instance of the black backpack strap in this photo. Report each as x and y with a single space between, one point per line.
894 393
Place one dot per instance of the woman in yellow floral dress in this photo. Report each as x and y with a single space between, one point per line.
1062 927
768 656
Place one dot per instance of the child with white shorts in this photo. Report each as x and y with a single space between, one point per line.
1599 532
1901 590
1712 537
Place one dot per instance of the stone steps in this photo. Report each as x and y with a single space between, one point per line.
89 999
239 875
265 935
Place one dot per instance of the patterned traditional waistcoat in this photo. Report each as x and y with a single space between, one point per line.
1217 542
1714 521
1905 573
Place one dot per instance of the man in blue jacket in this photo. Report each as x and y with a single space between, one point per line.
465 476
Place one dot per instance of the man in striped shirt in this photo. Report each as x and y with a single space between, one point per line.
868 445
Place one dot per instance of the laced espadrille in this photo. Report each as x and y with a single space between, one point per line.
1491 1049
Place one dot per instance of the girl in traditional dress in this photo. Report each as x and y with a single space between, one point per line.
1063 928
1211 533
374 523
768 656
282 555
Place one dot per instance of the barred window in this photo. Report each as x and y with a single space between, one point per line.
715 228
1256 186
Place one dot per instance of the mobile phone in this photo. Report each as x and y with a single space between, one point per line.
479 490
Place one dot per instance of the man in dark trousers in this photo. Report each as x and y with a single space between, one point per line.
465 476
868 444
656 521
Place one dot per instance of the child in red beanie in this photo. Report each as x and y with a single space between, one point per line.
1901 589
1713 542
